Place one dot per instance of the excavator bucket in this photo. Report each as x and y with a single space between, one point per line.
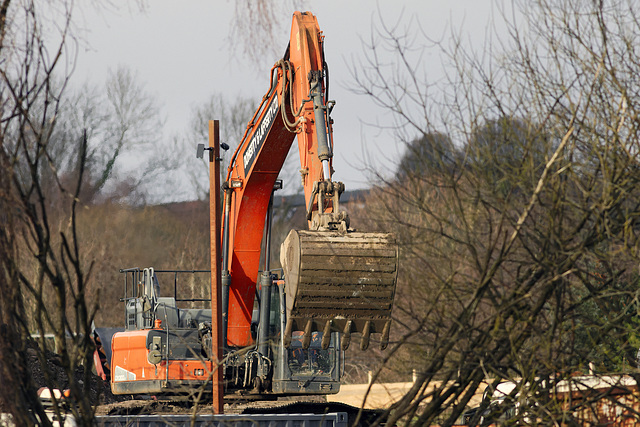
339 282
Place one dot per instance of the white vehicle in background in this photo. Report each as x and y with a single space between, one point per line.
503 403
513 399
65 418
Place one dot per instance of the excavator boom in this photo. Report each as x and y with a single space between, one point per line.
335 279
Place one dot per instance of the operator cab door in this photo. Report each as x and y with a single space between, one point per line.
303 371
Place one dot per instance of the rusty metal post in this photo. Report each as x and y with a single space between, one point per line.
216 282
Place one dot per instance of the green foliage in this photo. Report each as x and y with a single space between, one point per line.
509 153
606 327
430 153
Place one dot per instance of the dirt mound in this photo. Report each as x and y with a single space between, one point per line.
99 391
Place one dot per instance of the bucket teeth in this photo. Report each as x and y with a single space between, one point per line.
384 341
366 335
340 282
346 335
326 335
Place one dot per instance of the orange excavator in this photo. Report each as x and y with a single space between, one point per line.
284 330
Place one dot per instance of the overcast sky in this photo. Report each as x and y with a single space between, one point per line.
180 50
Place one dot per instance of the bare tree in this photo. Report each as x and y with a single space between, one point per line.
427 154
520 263
233 117
258 27
43 277
127 150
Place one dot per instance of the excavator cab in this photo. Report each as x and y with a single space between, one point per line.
310 361
300 370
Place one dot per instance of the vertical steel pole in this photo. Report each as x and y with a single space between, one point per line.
216 288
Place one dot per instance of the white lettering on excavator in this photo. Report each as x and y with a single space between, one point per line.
260 135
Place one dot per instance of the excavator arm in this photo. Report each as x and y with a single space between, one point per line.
335 279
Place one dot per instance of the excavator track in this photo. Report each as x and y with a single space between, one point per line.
344 282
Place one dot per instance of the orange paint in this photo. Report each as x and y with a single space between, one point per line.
263 163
